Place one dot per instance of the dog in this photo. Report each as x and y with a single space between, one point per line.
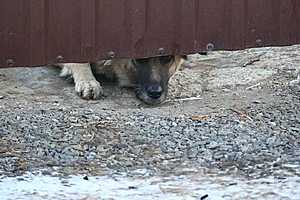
148 76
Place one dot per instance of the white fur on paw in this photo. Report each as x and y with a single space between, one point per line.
88 89
66 71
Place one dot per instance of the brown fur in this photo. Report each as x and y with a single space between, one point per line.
140 74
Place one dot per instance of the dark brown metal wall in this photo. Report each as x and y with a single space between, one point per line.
36 32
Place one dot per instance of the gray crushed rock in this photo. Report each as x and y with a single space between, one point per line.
252 132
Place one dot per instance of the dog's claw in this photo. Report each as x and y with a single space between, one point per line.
88 89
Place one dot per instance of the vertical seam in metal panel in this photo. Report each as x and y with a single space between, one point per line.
296 20
46 28
146 33
231 23
279 19
96 4
93 39
80 31
29 31
177 17
227 20
147 17
246 24
197 28
127 26
139 46
81 45
276 15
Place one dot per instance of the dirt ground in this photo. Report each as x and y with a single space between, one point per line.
230 113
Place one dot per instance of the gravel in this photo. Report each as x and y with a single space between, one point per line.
252 133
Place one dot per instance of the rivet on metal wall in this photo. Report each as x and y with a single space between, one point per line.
60 59
10 62
210 47
111 54
259 43
161 51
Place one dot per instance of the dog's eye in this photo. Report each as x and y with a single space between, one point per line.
165 59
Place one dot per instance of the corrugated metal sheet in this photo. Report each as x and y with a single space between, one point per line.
36 32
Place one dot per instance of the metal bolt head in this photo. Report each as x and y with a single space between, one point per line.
111 54
161 51
59 58
10 62
210 47
259 42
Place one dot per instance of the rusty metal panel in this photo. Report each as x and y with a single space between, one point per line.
37 32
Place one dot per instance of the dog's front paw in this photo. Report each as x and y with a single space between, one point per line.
88 89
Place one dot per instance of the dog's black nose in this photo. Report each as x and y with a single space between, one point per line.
154 91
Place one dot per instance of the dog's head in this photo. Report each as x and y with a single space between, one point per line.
153 75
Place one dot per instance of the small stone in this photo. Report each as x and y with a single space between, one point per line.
260 115
295 129
218 156
213 145
273 124
91 156
204 197
132 187
226 90
256 102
